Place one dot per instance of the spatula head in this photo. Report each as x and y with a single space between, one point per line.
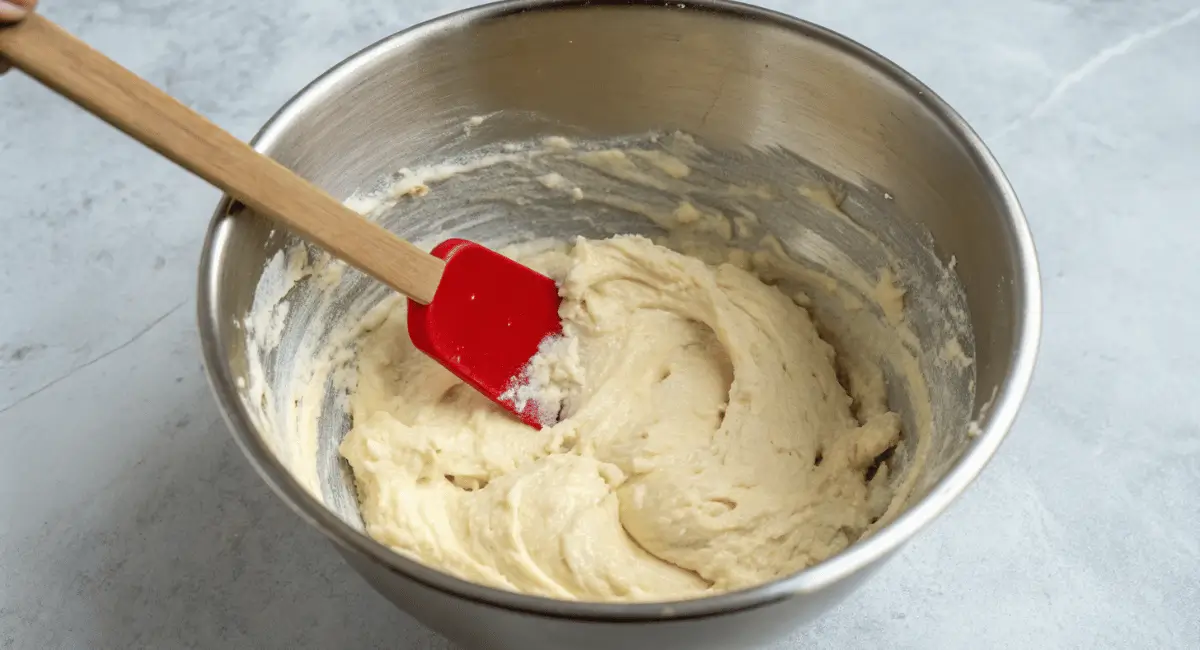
486 320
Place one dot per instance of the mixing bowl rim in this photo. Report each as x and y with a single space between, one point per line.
861 555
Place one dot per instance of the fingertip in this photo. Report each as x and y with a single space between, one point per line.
11 13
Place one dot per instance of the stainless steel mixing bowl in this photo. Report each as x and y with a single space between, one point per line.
732 75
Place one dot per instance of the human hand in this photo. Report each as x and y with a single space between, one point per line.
10 12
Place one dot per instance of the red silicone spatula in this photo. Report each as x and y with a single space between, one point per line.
477 312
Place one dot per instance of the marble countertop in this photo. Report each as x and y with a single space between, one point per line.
133 520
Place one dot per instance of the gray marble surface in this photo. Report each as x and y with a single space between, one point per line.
130 519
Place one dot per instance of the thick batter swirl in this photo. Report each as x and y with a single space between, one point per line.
707 443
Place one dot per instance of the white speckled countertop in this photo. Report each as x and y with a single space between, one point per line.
132 520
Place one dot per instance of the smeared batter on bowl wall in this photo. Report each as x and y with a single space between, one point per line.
726 412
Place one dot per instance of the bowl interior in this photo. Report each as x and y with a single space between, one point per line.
765 105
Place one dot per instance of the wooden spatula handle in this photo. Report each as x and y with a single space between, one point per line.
64 63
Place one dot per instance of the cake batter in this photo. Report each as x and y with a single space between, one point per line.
705 442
